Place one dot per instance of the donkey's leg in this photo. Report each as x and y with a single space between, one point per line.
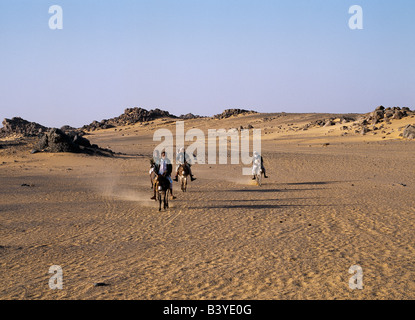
166 199
159 198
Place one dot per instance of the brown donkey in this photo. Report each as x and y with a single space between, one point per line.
162 189
183 173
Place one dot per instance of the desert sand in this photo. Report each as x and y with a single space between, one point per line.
331 202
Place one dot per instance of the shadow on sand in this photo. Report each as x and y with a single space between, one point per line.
262 190
265 206
312 183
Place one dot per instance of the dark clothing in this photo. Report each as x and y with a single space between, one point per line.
263 168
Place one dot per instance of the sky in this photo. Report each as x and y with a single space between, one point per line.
203 57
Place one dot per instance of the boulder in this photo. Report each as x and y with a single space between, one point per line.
398 114
189 116
81 141
329 123
377 115
42 143
67 128
55 140
388 114
409 132
364 130
347 120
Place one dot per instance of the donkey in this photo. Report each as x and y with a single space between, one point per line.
152 174
183 173
257 171
162 187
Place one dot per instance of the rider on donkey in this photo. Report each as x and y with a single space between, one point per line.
164 168
183 158
257 156
155 160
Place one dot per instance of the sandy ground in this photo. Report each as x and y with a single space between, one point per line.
323 209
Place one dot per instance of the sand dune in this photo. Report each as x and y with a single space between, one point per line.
332 201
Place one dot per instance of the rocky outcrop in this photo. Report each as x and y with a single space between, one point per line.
129 117
232 112
55 140
21 127
327 122
189 116
360 123
380 114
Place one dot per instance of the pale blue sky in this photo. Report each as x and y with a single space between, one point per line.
202 57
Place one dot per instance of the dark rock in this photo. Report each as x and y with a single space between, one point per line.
398 114
27 185
129 117
72 132
388 113
19 126
363 121
81 141
347 119
43 142
232 112
364 130
57 141
101 284
67 128
409 132
377 115
189 116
